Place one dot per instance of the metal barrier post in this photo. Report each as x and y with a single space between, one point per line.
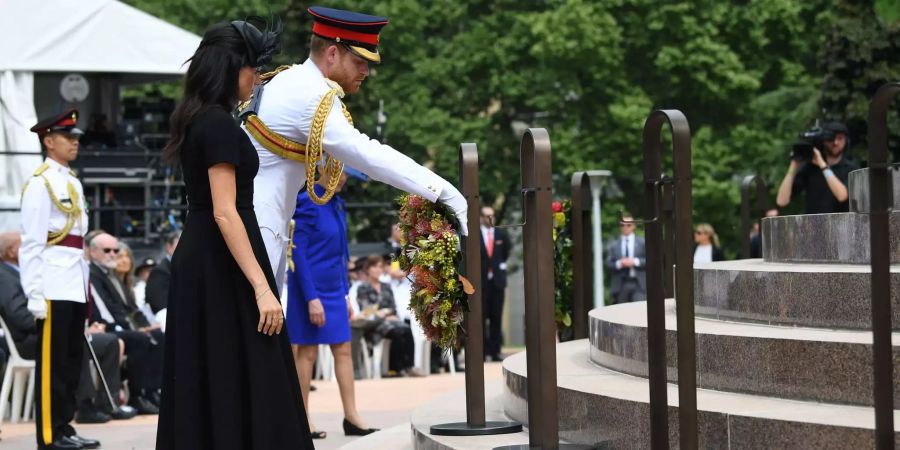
667 217
881 193
582 262
475 424
762 205
684 287
540 323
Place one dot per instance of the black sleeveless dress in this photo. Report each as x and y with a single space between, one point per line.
225 386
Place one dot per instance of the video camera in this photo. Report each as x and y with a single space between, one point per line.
816 137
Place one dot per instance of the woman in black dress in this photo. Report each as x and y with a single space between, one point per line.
229 377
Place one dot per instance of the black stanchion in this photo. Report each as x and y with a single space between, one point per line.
748 218
582 256
540 323
881 192
680 240
475 423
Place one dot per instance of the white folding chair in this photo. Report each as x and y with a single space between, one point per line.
380 358
421 346
325 363
19 377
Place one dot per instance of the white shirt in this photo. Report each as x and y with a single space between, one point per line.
140 293
627 249
52 272
288 104
703 254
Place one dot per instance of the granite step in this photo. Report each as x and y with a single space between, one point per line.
859 189
823 238
602 405
814 364
811 295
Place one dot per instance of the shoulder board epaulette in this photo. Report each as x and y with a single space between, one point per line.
334 85
266 77
41 170
73 173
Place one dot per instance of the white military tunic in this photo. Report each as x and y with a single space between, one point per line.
289 102
54 272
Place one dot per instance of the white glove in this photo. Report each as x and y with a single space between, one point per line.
451 197
38 307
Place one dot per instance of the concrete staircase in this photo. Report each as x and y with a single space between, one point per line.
783 345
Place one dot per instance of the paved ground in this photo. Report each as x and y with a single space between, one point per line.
384 403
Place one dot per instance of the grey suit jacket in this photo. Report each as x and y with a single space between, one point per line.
618 276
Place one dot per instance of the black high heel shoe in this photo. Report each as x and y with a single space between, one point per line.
353 430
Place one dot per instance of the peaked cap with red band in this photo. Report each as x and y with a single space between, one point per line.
359 32
65 122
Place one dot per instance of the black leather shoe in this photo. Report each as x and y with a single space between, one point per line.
143 406
91 416
64 443
154 398
353 430
123 413
85 442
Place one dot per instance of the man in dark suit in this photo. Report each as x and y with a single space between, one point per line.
13 302
143 343
157 291
22 327
626 261
495 249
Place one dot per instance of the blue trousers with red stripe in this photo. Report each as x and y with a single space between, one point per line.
60 351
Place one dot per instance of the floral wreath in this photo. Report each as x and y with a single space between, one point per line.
430 255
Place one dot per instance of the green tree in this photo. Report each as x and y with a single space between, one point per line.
749 75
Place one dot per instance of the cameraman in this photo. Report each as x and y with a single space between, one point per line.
824 180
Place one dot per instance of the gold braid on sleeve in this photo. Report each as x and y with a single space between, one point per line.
314 153
290 250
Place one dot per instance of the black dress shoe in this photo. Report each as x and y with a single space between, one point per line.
154 398
91 416
143 406
123 413
85 442
353 430
64 443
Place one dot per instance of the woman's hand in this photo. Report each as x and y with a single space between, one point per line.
316 312
271 317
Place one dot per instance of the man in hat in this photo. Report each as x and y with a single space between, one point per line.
53 273
298 120
824 178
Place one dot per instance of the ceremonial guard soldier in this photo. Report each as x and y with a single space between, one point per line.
54 277
301 128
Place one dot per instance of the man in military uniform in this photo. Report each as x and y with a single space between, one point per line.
54 275
300 128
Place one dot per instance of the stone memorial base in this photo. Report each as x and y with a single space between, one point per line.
601 405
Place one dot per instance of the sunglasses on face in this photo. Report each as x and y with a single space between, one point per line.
111 250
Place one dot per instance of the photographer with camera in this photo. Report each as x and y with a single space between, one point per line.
823 177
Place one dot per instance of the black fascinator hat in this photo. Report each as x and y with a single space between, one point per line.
263 45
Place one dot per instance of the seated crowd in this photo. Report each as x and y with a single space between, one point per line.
125 327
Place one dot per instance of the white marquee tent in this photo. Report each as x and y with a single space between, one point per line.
85 36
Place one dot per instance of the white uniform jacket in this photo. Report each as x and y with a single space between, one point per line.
289 102
53 272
